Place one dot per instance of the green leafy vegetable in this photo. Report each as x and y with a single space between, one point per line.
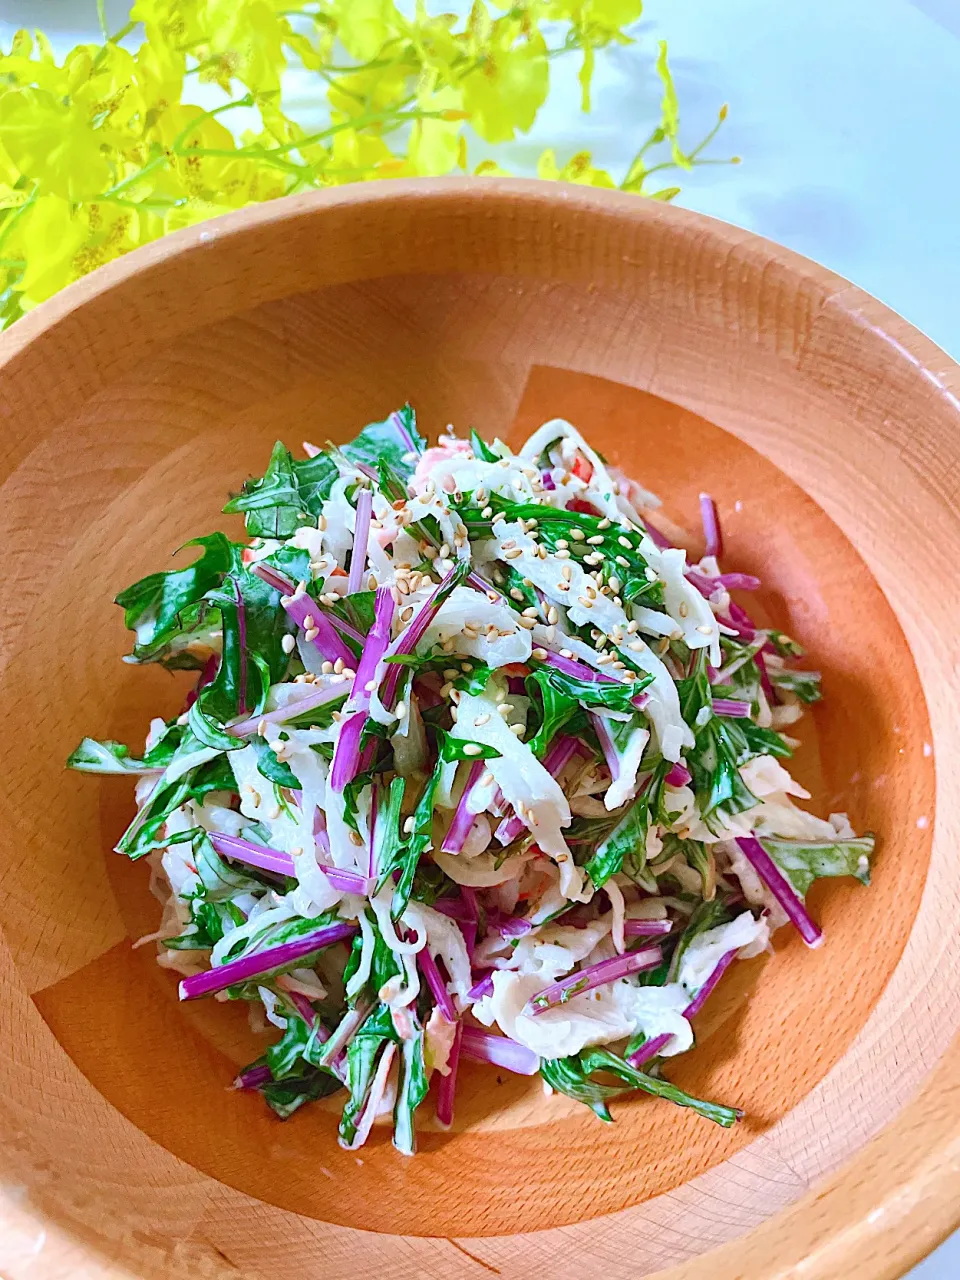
573 1077
141 837
412 1091
169 607
381 442
805 685
288 494
803 861
363 1053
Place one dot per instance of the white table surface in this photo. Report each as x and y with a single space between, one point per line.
846 114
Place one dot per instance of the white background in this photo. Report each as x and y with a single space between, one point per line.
846 114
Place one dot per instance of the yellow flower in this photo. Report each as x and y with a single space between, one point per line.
52 143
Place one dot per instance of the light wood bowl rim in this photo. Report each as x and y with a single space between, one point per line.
900 1195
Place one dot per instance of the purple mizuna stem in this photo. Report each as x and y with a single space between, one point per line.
700 999
463 819
407 642
396 421
711 525
596 975
733 708
782 890
500 1051
438 988
253 1078
656 537
646 928
308 615
361 534
448 1083
209 672
254 855
259 962
350 1023
482 987
678 776
347 759
273 578
649 1049
309 702
605 739
242 644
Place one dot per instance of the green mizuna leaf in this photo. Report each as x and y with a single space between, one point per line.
803 861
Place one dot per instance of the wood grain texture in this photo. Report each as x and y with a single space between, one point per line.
693 353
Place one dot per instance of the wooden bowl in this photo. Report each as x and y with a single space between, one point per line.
696 356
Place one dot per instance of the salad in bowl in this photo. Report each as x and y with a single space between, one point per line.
476 765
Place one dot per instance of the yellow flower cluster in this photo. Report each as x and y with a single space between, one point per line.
102 154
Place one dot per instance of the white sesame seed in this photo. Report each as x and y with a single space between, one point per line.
516 594
472 748
309 622
637 646
526 623
311 634
562 555
578 535
505 708
446 690
493 597
326 667
625 542
486 513
486 777
530 612
562 544
683 609
482 720
595 540
614 584
338 666
566 653
623 562
517 729
650 574
288 644
705 629
512 555
539 654
604 523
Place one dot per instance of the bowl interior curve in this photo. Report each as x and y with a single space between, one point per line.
146 461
